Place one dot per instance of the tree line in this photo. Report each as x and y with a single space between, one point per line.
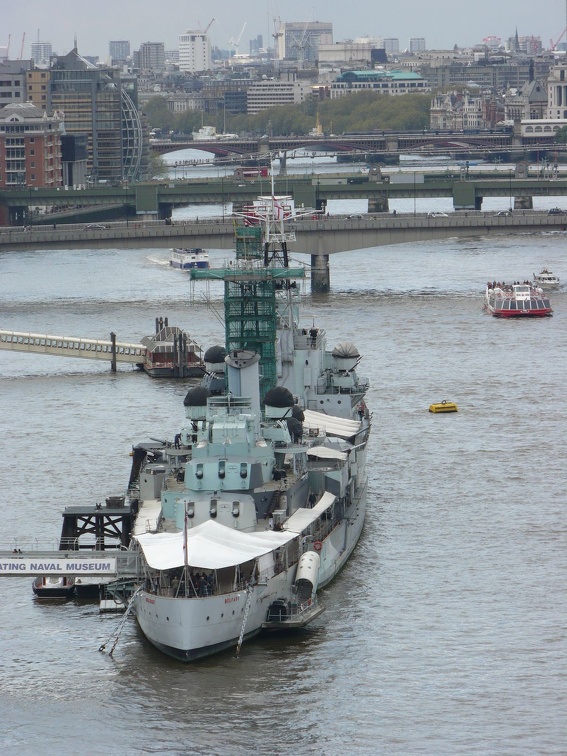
359 111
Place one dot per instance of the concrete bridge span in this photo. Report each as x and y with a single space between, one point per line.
318 237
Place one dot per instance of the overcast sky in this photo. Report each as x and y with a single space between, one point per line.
443 23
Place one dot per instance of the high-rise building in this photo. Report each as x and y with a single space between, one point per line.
300 40
416 44
119 51
97 102
151 56
391 45
194 52
41 53
256 45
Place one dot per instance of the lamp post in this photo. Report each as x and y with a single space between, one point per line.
510 188
414 197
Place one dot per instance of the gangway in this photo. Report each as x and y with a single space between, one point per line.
73 346
168 353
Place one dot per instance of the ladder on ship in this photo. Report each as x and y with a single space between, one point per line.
249 592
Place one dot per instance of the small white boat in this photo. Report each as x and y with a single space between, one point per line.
546 279
186 259
46 586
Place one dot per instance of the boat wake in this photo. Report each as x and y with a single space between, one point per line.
158 261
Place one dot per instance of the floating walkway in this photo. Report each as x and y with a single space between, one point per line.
168 353
72 346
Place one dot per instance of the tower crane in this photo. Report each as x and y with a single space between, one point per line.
209 25
301 45
553 44
233 43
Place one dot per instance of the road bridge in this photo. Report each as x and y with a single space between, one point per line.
319 236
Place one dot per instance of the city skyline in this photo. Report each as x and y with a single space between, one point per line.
138 21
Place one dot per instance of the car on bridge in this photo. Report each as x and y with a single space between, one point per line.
95 227
555 211
437 215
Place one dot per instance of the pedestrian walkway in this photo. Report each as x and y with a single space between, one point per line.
72 346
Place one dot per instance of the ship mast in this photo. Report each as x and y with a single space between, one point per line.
259 286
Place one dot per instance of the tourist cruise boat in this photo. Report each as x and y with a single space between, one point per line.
186 259
546 279
516 301
260 499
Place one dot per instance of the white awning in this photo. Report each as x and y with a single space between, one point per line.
303 517
333 426
210 546
325 452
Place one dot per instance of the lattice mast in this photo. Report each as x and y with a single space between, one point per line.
260 286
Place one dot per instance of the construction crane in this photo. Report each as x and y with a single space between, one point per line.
209 25
233 43
553 44
302 44
22 46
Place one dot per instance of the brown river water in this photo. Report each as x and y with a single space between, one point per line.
445 633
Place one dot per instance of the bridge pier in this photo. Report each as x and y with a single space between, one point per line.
320 273
113 351
379 204
524 203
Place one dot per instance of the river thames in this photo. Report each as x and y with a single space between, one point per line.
445 633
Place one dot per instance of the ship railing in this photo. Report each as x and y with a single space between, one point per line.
307 338
302 607
26 545
330 389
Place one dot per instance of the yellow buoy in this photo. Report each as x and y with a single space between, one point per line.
443 406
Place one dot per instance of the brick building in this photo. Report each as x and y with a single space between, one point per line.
30 147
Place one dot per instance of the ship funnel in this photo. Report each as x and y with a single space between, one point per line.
244 376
